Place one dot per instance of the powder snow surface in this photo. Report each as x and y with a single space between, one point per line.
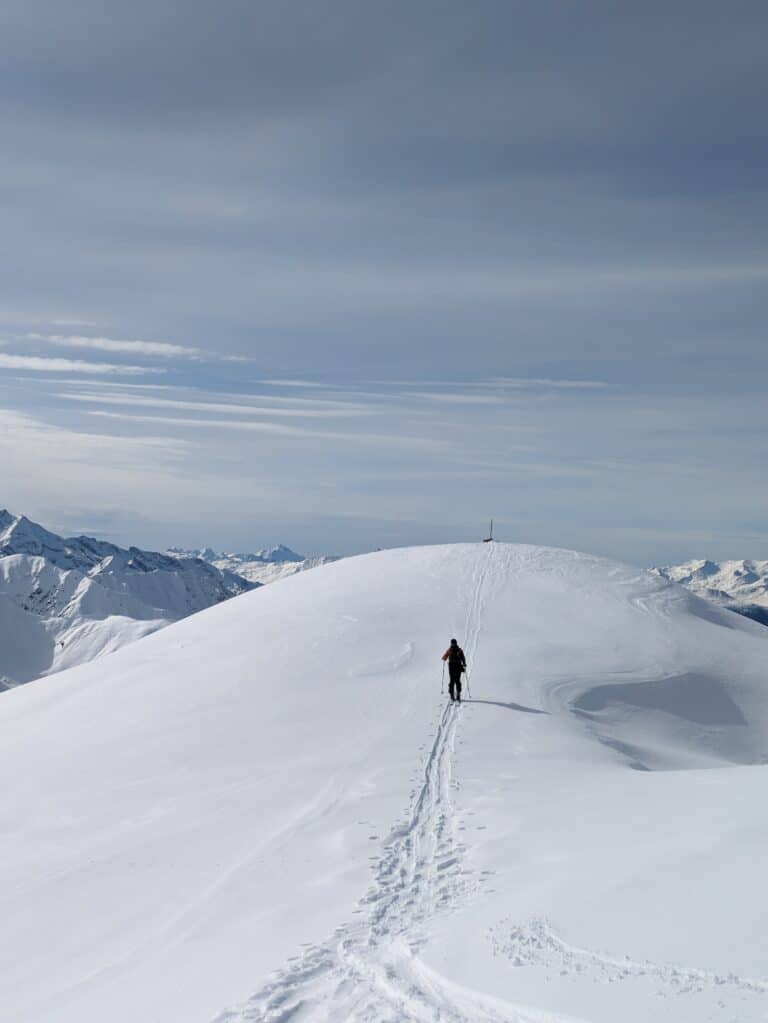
270 807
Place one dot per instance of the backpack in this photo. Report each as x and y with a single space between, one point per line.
456 657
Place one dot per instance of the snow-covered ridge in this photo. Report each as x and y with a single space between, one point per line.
741 586
270 806
265 566
64 601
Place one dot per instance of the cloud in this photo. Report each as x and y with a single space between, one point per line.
71 321
515 383
282 430
47 465
497 391
339 410
292 383
554 384
292 400
26 437
42 364
457 397
108 344
114 384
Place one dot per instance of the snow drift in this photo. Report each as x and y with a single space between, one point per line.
269 805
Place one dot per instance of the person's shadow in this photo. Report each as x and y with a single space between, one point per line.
511 706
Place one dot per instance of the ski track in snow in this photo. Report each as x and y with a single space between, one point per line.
537 944
369 971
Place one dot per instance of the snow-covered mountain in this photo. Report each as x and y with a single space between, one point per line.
266 566
741 586
271 806
67 601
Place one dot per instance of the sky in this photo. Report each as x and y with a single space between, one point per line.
361 274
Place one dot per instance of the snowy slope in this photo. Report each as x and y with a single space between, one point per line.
739 585
262 567
269 805
67 601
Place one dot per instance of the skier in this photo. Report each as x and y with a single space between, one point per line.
457 663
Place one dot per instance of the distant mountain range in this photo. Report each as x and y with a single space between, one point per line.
741 586
260 567
67 601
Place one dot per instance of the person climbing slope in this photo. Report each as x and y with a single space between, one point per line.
457 663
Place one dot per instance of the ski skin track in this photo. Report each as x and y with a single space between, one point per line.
369 970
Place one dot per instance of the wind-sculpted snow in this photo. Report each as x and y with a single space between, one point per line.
270 807
68 601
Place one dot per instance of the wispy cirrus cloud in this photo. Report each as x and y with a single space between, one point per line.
298 401
507 383
284 382
43 364
356 437
131 347
28 436
86 464
304 410
546 382
114 385
457 397
73 322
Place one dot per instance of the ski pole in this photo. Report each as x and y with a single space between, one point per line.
442 682
469 687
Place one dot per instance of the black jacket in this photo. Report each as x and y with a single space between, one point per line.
457 662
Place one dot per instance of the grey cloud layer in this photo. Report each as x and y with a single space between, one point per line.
540 222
